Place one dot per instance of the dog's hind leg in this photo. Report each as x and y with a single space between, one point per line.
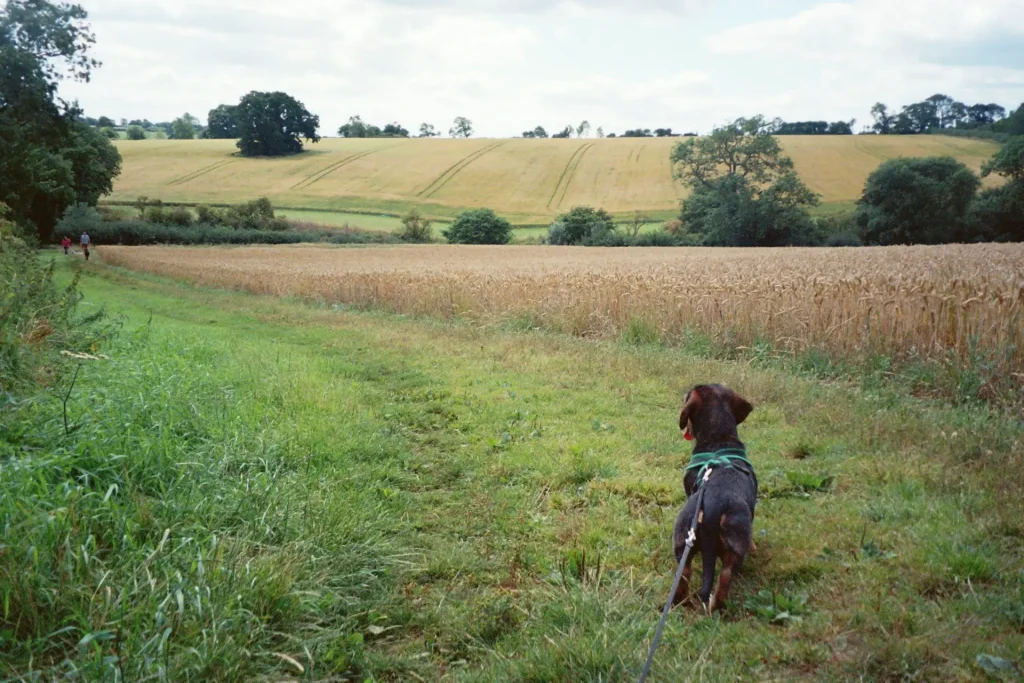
730 561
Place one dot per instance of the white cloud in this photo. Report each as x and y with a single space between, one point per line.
513 64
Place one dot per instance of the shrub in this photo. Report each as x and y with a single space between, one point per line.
838 230
110 133
178 215
255 215
415 228
207 216
584 225
154 214
136 133
78 218
673 227
137 232
479 226
39 319
916 201
843 239
997 214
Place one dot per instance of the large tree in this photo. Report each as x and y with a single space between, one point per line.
916 201
427 130
461 128
998 213
274 124
184 127
48 159
357 128
221 123
744 189
883 119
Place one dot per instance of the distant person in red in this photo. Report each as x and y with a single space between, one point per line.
66 243
85 245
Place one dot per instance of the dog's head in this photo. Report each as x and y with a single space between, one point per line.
712 411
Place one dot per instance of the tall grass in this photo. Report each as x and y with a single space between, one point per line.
179 528
955 306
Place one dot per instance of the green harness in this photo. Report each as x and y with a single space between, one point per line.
730 458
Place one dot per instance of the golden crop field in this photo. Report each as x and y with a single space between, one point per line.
925 302
528 181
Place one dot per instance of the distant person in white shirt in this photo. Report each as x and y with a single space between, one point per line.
85 245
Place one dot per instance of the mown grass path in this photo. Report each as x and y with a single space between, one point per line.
417 500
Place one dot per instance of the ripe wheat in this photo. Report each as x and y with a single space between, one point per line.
923 302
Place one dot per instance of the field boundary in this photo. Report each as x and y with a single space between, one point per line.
202 171
574 163
455 169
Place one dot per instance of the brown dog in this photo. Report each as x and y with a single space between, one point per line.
710 415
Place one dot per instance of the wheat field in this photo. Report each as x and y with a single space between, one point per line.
954 301
528 181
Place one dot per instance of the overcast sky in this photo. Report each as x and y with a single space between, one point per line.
510 65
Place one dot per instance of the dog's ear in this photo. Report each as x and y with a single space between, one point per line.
690 406
740 406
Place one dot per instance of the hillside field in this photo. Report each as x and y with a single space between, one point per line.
527 181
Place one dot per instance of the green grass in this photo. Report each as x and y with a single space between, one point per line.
253 485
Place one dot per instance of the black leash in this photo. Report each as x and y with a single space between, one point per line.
691 538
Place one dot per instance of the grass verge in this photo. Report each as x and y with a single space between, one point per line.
254 488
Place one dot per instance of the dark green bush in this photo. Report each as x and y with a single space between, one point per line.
916 201
479 226
179 215
997 214
142 232
78 218
843 239
415 228
584 225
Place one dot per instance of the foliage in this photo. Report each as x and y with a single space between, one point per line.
815 128
997 214
461 128
581 225
184 127
394 130
916 201
38 319
937 113
583 130
136 133
415 228
48 159
274 124
638 133
221 122
145 232
427 130
564 133
1008 161
110 133
1012 124
479 226
744 190
78 218
780 608
357 128
537 132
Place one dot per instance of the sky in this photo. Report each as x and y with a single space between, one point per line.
511 65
